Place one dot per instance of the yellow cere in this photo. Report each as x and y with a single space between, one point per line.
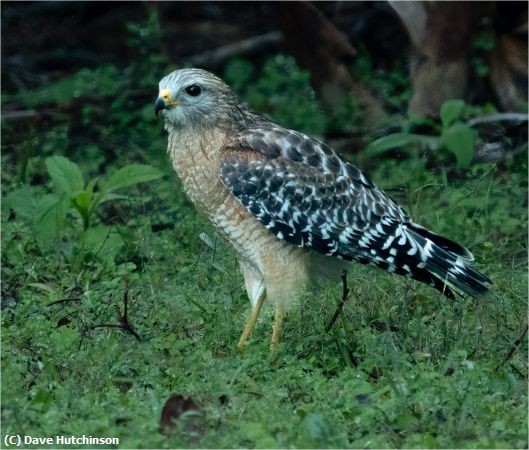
165 94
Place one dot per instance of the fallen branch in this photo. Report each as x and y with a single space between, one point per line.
514 346
339 307
15 115
499 117
216 57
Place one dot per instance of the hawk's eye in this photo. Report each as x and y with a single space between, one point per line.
194 90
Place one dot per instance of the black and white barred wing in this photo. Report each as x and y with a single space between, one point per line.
304 193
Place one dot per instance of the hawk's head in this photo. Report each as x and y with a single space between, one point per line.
195 97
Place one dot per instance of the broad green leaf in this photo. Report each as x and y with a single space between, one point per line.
399 140
22 202
451 111
65 174
50 211
459 139
132 174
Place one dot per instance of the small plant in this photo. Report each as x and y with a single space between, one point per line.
70 193
454 136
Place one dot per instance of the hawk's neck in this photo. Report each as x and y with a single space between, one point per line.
196 159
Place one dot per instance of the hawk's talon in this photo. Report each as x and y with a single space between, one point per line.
250 323
278 327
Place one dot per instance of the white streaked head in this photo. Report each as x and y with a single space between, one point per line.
195 98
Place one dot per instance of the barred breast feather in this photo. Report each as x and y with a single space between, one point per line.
306 194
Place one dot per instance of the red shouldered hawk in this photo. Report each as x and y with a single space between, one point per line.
288 203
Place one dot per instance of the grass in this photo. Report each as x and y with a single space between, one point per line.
402 366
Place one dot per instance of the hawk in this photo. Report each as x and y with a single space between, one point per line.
289 205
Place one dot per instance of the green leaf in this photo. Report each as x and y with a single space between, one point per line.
21 201
65 174
399 140
451 111
83 202
459 139
50 211
132 174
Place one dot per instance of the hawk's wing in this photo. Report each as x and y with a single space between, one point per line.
304 193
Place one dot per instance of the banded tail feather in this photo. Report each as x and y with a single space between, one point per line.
449 263
413 251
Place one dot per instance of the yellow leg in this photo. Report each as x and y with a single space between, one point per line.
250 323
278 325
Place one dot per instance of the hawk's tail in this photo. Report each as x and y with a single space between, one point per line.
413 251
445 264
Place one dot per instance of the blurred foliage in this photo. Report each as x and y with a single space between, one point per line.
453 135
403 367
391 86
280 90
482 47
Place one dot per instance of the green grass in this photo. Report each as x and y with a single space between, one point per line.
432 381
402 367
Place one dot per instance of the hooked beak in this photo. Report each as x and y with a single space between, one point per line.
163 101
159 105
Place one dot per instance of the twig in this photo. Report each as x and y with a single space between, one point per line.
27 114
339 307
214 58
124 323
514 346
14 115
499 117
64 300
123 318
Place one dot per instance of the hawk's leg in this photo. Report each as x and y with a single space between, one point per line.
255 287
278 326
250 323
